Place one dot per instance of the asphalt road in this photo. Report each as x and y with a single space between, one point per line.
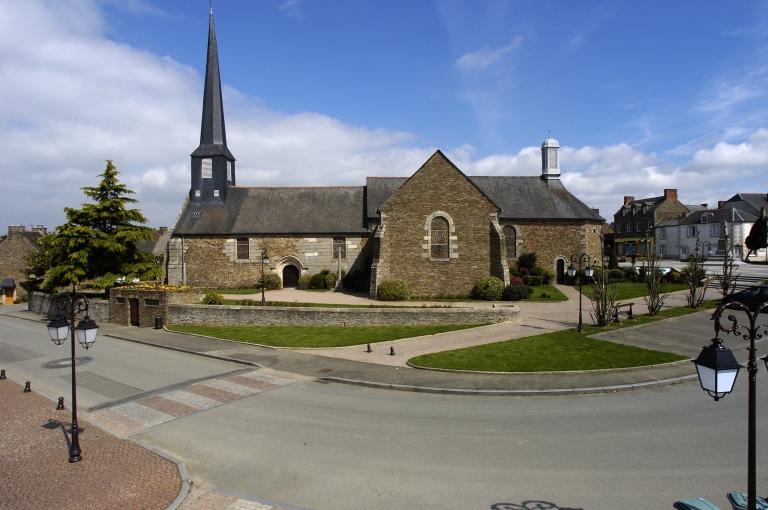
329 446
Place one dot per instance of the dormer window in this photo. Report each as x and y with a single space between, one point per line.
645 209
704 218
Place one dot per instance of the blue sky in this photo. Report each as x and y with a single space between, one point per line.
642 96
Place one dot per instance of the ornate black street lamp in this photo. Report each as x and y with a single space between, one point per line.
70 308
588 271
264 260
717 368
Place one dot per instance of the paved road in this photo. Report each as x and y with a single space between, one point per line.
328 446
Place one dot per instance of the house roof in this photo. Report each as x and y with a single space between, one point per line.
156 244
518 197
754 200
279 210
8 283
718 216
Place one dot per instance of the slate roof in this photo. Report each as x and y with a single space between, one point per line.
518 197
718 216
279 210
156 244
754 200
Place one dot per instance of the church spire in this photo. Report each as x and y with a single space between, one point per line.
213 166
213 135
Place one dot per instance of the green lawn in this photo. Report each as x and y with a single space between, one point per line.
632 290
316 336
558 351
551 289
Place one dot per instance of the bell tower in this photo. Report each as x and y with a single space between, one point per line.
550 159
213 166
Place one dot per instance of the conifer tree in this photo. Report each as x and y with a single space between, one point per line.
758 235
98 242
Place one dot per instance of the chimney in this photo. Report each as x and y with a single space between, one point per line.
15 229
163 230
40 230
628 200
670 194
720 204
597 211
705 206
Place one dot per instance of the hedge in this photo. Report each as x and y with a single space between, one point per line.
516 292
392 290
489 288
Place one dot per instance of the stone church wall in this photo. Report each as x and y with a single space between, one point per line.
211 261
438 188
553 239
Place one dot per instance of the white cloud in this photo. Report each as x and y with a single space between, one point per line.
72 99
485 56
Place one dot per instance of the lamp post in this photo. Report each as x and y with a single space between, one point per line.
717 369
588 271
70 307
264 260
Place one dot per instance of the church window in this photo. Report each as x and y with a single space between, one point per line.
511 241
206 167
229 171
243 248
439 238
339 247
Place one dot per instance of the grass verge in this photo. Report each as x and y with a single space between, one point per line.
565 350
633 290
316 336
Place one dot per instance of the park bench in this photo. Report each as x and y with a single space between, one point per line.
617 308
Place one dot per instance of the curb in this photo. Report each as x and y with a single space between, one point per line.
185 481
513 393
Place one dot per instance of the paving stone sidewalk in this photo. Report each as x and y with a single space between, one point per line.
35 473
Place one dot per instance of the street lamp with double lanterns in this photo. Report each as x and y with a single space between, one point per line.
588 272
264 260
70 307
717 369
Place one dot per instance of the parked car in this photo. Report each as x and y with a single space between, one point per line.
752 297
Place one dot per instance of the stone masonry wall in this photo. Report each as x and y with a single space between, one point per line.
45 304
211 261
553 239
12 252
404 254
202 315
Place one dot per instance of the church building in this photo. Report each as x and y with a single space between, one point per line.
439 230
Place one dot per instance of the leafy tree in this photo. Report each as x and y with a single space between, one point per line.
758 235
613 262
98 242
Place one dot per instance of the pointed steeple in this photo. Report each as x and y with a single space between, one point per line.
213 166
213 135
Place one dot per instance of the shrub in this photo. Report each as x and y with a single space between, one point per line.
516 281
630 274
613 260
489 288
527 261
213 298
392 290
524 271
533 281
513 271
616 275
317 281
330 281
304 281
546 295
674 277
271 282
538 271
516 292
549 275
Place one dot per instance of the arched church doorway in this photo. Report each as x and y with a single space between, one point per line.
560 271
290 277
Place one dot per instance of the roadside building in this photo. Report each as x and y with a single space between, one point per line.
635 221
19 243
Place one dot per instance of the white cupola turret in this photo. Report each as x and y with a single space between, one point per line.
550 159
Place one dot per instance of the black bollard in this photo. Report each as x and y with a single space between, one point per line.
60 405
391 351
27 387
369 348
629 315
2 374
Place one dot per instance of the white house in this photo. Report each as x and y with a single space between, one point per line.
679 238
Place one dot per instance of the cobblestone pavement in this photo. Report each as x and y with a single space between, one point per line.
133 416
35 473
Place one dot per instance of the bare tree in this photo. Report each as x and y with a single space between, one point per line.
603 297
696 275
655 283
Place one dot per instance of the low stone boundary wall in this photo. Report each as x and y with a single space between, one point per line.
45 304
211 315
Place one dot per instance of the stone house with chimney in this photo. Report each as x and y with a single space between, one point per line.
19 243
635 221
439 230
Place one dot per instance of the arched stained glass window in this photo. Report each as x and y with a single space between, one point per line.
439 240
511 236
